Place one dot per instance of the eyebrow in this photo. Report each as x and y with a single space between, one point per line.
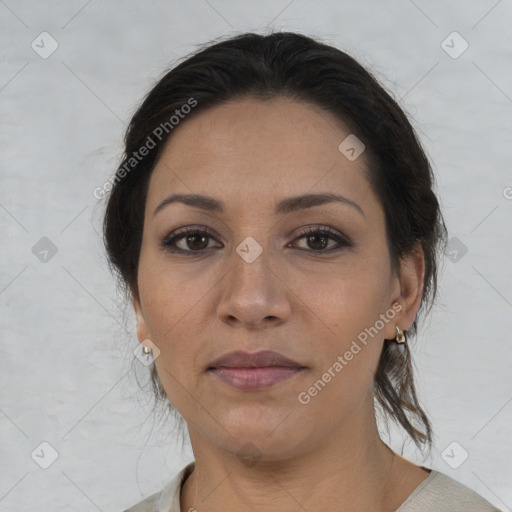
288 205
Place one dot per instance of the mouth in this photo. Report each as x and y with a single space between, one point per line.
253 372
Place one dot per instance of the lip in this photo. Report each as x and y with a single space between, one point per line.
254 371
263 358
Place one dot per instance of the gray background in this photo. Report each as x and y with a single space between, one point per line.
67 369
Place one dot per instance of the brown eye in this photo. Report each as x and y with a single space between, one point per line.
193 240
196 241
318 240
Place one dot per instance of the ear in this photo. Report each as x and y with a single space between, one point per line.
142 328
409 290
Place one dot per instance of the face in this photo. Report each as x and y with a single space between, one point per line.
252 278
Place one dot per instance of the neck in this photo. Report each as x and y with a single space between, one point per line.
351 470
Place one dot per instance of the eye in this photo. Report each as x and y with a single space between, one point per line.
192 237
196 240
319 237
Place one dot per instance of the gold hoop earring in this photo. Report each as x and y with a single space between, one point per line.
400 335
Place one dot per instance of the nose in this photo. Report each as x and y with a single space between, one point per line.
255 294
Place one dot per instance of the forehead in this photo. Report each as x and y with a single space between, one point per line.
258 151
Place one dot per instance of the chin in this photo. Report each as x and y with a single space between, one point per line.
252 451
256 438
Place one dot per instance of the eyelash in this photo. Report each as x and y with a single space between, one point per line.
168 242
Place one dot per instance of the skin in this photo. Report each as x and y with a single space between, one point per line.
306 304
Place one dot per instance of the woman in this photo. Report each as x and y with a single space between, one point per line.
275 226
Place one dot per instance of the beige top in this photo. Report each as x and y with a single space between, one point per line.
437 493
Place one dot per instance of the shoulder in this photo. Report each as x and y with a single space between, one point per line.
168 499
442 493
149 504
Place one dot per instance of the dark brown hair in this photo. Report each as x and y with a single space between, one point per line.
284 64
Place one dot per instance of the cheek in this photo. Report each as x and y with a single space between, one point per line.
347 352
345 301
171 301
345 310
172 293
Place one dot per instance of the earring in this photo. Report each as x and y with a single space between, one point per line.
146 350
400 335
